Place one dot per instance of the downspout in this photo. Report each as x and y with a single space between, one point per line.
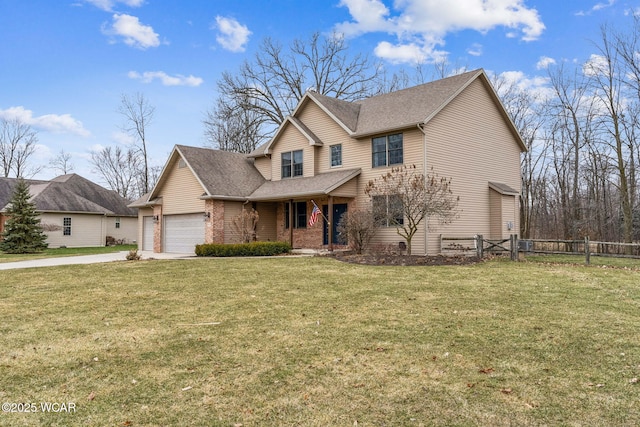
424 167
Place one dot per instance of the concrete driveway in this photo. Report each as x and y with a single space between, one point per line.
87 259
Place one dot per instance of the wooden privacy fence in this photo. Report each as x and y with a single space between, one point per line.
479 246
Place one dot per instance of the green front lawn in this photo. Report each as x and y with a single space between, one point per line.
60 252
315 342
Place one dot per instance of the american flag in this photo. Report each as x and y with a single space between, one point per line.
314 215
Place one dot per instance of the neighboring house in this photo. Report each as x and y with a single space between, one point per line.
327 151
75 212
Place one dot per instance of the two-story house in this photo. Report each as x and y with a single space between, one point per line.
327 151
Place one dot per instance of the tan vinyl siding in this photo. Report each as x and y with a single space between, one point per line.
231 211
291 140
330 133
181 192
142 212
495 215
349 189
413 154
86 230
128 230
469 142
267 222
263 164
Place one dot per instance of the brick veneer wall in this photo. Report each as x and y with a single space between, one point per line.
157 229
310 237
214 229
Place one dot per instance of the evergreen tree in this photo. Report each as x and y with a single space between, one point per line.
22 231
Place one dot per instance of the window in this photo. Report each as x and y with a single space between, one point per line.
299 215
387 210
291 164
386 150
66 226
117 222
336 155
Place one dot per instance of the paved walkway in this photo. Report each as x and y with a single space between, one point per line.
87 259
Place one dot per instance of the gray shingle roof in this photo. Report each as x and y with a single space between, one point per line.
222 173
409 107
69 193
346 112
322 183
503 188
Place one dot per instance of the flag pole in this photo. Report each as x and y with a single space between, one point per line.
320 210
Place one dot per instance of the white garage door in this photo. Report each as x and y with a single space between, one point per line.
147 233
183 232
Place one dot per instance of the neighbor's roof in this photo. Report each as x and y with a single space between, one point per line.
69 193
323 183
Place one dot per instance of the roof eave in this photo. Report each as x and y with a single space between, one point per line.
221 197
385 130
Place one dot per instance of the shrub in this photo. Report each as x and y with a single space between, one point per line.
358 226
243 249
133 255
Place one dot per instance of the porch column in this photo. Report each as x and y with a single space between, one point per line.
330 225
291 222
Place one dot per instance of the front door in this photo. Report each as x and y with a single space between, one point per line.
338 210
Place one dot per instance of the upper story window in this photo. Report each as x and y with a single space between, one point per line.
336 155
117 222
387 150
291 164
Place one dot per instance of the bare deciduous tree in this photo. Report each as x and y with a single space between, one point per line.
269 87
404 197
231 127
119 168
358 228
138 114
607 73
245 223
17 144
62 162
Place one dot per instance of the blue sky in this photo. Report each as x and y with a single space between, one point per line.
64 64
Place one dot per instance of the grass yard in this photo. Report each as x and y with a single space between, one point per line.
62 252
315 342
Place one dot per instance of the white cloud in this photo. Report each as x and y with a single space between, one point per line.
421 25
123 138
55 123
475 49
600 6
167 80
135 34
369 16
544 62
232 35
596 8
398 54
596 65
108 5
536 85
